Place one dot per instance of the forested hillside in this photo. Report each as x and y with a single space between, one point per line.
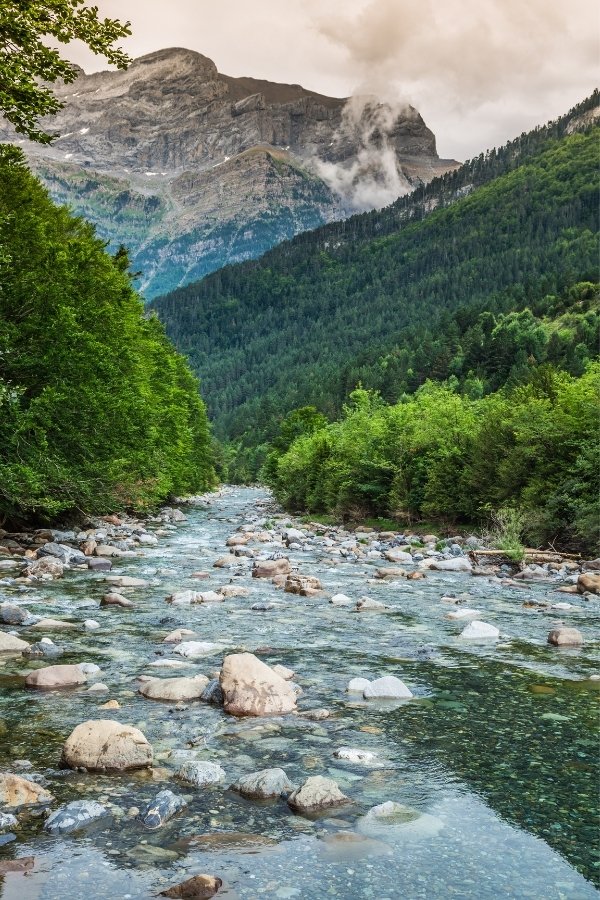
97 410
415 291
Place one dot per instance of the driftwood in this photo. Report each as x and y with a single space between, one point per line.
531 555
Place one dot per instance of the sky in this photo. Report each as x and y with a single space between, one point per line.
479 71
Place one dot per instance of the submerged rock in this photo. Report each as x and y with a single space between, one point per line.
477 630
162 808
317 793
352 754
103 744
387 688
74 816
264 785
251 688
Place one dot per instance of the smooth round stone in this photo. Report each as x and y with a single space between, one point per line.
201 773
387 688
357 685
476 631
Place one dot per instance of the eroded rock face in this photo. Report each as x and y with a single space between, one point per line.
102 744
251 688
209 169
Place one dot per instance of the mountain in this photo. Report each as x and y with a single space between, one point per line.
315 315
192 169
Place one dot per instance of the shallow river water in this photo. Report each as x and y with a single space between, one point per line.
497 754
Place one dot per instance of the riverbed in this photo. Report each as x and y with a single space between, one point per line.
496 755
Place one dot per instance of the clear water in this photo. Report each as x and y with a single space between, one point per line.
497 754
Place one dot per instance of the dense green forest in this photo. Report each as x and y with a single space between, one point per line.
97 409
531 449
391 298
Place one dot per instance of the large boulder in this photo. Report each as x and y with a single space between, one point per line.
17 791
67 555
268 568
264 785
251 688
174 689
565 637
53 677
317 793
588 583
398 556
103 744
11 644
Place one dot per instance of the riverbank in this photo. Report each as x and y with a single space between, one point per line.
495 747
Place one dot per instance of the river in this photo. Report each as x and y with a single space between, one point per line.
497 754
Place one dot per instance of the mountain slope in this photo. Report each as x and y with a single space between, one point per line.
273 334
192 169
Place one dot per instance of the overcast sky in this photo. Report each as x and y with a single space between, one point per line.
479 71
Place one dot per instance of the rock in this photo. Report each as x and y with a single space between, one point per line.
52 625
107 550
357 685
341 600
200 887
264 785
47 565
231 590
316 715
285 673
11 644
236 540
315 794
267 568
44 649
210 597
351 754
387 688
262 607
396 817
74 816
126 581
565 637
67 555
300 584
192 649
588 583
114 599
251 688
225 562
200 773
477 630
293 534
162 808
17 791
102 744
91 625
174 689
174 637
458 564
463 613
212 693
184 598
97 564
53 677
13 615
89 668
396 555
416 576
98 688
390 573
111 704
7 820
365 604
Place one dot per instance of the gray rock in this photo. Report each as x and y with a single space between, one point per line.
162 808
387 688
43 649
74 816
201 773
456 564
99 564
317 793
264 785
67 555
13 615
213 693
565 637
7 820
